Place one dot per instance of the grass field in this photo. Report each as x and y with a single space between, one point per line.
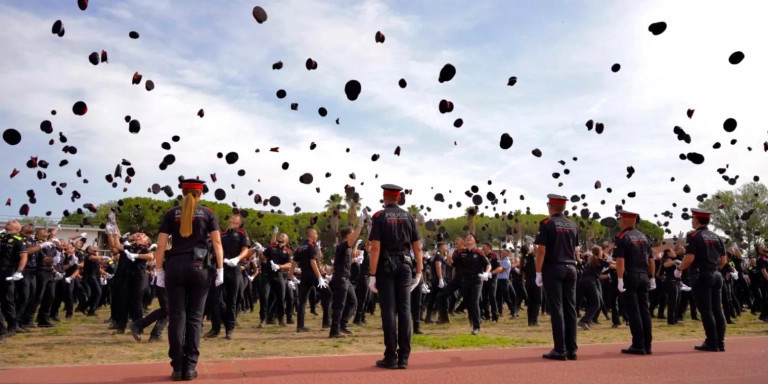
86 340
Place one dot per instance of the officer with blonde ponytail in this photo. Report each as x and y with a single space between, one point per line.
186 274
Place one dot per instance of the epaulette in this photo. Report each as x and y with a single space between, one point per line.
621 235
17 237
241 230
377 213
545 220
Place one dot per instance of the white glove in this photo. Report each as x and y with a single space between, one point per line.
250 278
363 215
219 276
111 229
274 266
441 284
359 259
539 280
734 275
111 217
321 283
232 262
56 259
132 256
426 255
297 271
372 284
416 282
678 273
258 247
15 277
516 269
483 276
83 234
609 259
160 278
291 285
109 276
46 245
106 258
127 243
678 262
684 288
58 227
621 286
328 278
153 247
424 289
653 284
68 280
275 230
103 281
58 276
296 281
357 243
73 261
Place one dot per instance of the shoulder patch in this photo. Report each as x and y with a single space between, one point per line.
621 235
240 230
378 213
545 221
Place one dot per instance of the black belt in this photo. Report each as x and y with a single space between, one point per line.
573 263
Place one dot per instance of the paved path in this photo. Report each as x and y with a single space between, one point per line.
671 362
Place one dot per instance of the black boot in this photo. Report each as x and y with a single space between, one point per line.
429 319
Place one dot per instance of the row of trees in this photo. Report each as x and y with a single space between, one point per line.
741 215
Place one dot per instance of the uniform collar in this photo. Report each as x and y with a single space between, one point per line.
391 205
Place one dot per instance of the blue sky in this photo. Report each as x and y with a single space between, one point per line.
202 54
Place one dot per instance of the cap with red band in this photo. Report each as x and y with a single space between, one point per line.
700 213
628 215
192 184
557 199
391 190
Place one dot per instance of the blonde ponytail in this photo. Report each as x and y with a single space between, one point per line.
187 211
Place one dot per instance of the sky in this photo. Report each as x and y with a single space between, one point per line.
215 56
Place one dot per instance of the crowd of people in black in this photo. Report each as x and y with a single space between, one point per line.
459 277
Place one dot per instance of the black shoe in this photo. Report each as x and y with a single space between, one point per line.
345 331
475 331
554 355
211 334
336 335
721 348
402 364
20 329
91 314
290 321
228 335
272 322
135 332
29 325
615 325
648 351
443 321
281 323
326 325
366 323
707 348
119 331
358 323
303 329
584 325
533 324
313 312
177 376
2 339
418 331
189 375
262 324
729 321
570 355
45 325
661 317
633 351
388 364
155 339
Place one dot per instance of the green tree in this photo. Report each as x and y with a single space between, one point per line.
741 214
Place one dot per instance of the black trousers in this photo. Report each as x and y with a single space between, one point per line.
432 297
187 286
46 290
395 303
471 289
94 295
560 289
361 292
708 293
272 287
64 294
672 292
489 299
214 306
417 301
231 291
326 296
442 299
132 297
159 316
306 285
518 292
344 302
117 301
637 310
290 302
588 290
534 302
25 296
7 302
764 304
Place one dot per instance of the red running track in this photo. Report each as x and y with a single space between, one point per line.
671 362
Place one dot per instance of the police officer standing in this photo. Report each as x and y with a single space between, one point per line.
306 258
234 243
277 258
476 270
635 266
393 234
556 272
188 274
344 299
13 259
705 255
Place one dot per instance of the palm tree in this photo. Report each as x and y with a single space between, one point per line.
413 210
335 203
471 213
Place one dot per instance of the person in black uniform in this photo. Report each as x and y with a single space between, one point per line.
344 300
234 243
393 233
306 258
47 257
13 259
451 286
635 266
437 280
556 272
704 255
91 277
159 316
361 289
761 265
277 258
186 274
134 258
534 290
489 286
669 263
476 270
